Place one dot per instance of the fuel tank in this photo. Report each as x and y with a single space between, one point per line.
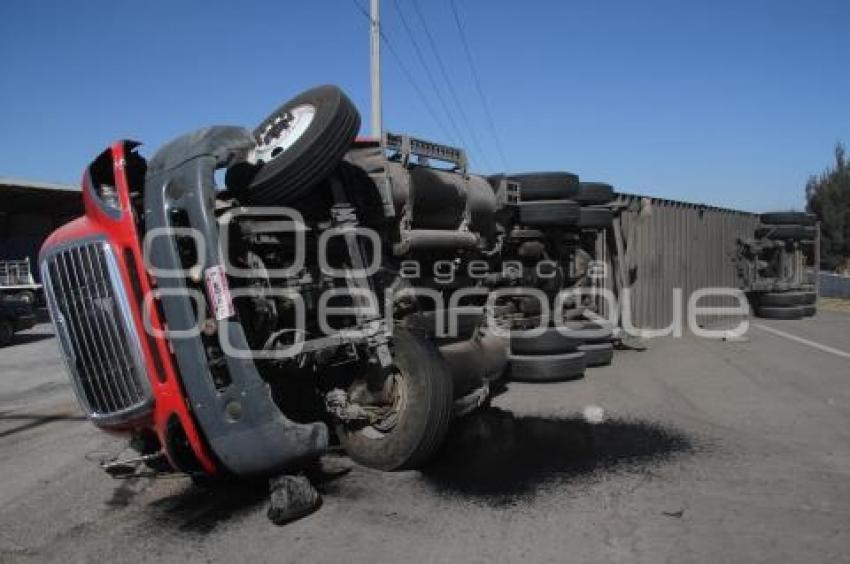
433 198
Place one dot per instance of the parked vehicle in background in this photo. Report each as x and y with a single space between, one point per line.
16 280
15 315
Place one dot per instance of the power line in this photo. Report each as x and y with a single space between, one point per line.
449 86
404 70
477 81
459 136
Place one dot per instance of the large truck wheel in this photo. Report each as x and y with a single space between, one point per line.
788 218
546 185
300 144
787 232
594 193
547 368
419 407
782 299
780 312
595 217
549 213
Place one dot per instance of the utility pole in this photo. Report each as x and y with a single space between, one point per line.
375 58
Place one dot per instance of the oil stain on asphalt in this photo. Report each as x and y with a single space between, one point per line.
499 457
491 455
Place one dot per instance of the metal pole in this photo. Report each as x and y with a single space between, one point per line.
375 58
817 258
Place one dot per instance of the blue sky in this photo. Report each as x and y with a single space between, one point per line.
731 103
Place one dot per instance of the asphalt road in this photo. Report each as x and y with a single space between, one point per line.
710 451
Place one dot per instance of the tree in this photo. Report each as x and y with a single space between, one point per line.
828 197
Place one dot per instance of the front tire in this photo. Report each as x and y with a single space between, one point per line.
300 144
415 427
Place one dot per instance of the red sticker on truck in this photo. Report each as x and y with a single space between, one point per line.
218 292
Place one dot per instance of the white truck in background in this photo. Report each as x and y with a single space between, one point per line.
16 281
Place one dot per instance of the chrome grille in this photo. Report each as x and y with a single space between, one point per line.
88 304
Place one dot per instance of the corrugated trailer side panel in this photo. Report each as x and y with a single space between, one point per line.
671 245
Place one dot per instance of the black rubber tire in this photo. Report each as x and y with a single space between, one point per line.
809 310
549 213
598 354
551 342
422 425
546 185
809 298
595 217
466 324
787 232
590 331
594 193
7 332
547 368
789 312
291 174
782 299
788 218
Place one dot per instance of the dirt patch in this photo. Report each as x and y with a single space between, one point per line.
834 304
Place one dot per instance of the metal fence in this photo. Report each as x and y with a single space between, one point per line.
833 285
673 245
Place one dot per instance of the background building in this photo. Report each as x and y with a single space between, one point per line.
29 211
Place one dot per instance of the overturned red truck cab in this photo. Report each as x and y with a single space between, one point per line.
332 290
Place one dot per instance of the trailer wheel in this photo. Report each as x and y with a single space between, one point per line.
787 232
595 217
300 144
594 193
591 331
809 298
598 354
418 410
546 185
549 213
782 299
547 368
788 218
7 332
787 312
550 342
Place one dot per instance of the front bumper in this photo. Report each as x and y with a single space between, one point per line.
241 423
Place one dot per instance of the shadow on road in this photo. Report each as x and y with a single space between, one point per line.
24 338
33 421
492 455
497 455
200 509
